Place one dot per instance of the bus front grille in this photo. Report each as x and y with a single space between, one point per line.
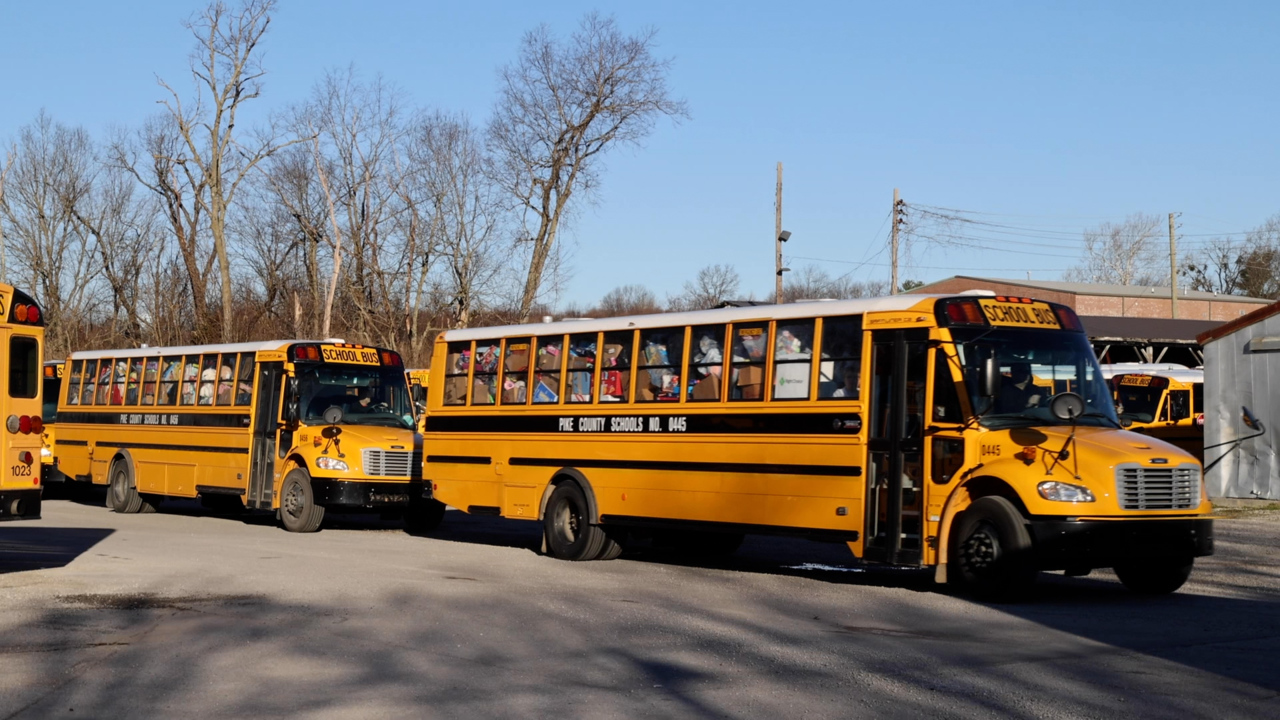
381 463
1140 487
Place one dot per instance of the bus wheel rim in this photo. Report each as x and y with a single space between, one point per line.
980 551
568 522
293 500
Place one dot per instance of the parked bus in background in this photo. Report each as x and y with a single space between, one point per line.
22 335
50 390
299 427
1165 404
418 392
908 427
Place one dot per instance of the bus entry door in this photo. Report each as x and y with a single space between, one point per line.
266 413
895 477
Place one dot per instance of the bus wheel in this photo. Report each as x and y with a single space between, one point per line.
991 551
567 526
612 546
298 509
423 517
122 495
1155 577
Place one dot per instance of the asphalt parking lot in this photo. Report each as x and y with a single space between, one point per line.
186 613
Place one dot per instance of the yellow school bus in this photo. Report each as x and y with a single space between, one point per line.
51 389
1166 404
299 427
907 427
418 379
22 334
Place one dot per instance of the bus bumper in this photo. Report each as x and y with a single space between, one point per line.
20 504
1064 544
359 494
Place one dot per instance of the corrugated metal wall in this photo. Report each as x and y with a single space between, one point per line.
1235 377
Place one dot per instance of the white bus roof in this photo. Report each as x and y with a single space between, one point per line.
810 309
189 349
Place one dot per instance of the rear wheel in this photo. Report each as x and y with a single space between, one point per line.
298 509
567 525
1155 577
991 552
122 493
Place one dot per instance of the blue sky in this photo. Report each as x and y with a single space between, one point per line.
1048 116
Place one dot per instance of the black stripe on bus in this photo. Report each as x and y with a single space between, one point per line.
215 490
77 443
681 466
648 523
166 446
152 418
460 459
646 423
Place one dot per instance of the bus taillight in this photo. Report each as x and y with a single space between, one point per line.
1068 318
965 312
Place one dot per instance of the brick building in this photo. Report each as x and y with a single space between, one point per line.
1089 299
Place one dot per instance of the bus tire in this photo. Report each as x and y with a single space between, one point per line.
122 494
423 517
1155 577
612 546
298 509
991 552
567 525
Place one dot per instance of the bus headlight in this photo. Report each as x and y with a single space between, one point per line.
1064 492
45 452
328 463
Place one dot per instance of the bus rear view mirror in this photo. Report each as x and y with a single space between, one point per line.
988 372
1250 421
291 400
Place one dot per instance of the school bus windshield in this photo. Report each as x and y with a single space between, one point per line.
1035 365
366 395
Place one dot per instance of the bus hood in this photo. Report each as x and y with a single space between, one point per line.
1101 446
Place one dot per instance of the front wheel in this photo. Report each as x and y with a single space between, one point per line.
1155 577
298 509
991 551
567 525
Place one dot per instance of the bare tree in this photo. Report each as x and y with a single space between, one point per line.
811 282
227 72
713 285
627 300
561 106
1250 267
1124 253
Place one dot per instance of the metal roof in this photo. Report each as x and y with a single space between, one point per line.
1148 330
1080 288
1231 326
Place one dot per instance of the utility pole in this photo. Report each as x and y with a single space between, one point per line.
778 239
893 246
1173 269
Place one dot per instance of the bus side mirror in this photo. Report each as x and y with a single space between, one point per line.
291 400
988 372
1250 421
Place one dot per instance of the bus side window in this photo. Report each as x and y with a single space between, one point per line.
661 353
151 373
190 379
244 379
104 381
457 363
226 378
73 382
170 374
208 374
515 372
1197 398
485 384
25 369
792 359
117 386
706 362
748 352
90 382
582 363
841 363
135 377
1178 405
615 366
546 378
946 400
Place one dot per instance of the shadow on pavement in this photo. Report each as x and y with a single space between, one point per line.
24 547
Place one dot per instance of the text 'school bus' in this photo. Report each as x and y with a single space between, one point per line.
50 391
418 379
300 427
908 427
1165 404
22 337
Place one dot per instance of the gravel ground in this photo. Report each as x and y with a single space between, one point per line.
188 613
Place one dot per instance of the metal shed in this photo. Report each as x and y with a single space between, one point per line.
1242 369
